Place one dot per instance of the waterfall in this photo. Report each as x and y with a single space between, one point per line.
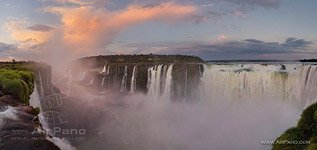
8 113
124 80
104 69
70 77
149 77
82 76
186 82
35 98
35 102
133 80
309 84
103 81
41 83
152 82
292 83
159 82
163 77
108 70
235 82
168 83
91 81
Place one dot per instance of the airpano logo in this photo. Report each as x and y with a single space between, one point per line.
288 142
55 122
49 114
52 101
71 131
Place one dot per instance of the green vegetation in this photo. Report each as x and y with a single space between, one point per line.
133 59
313 143
308 60
306 130
16 80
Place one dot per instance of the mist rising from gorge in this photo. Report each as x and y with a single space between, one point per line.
141 123
221 118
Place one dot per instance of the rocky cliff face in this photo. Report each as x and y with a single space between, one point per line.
141 73
20 127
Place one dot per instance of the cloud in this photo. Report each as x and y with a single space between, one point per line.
292 48
87 29
253 41
84 28
40 27
296 43
257 49
222 38
238 8
5 47
77 2
25 38
8 52
254 3
208 9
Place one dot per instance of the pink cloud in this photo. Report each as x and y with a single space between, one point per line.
86 29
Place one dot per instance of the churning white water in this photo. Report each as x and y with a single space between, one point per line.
8 113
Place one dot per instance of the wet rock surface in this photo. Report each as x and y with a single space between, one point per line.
20 127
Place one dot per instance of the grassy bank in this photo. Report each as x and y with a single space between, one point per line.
303 136
16 80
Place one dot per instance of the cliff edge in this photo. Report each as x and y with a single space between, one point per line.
20 127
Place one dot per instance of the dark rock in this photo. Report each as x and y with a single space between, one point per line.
8 100
23 133
283 67
29 110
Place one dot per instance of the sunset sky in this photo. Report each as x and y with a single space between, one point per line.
211 29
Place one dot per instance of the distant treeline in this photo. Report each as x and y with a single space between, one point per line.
225 61
308 60
144 58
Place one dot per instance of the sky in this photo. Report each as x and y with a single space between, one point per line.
211 29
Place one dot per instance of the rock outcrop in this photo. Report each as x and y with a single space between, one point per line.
20 127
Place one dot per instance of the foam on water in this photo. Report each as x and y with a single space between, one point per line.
8 113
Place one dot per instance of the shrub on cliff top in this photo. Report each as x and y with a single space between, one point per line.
292 134
306 130
313 143
18 83
308 120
